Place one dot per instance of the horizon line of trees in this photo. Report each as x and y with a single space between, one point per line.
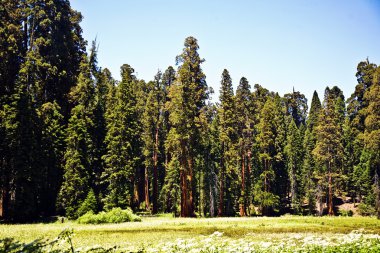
73 139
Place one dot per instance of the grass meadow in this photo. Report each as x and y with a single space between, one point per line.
256 234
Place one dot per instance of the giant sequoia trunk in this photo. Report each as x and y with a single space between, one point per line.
155 174
146 189
186 181
330 202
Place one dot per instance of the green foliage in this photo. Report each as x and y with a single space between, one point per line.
293 151
366 209
115 215
88 205
122 142
74 138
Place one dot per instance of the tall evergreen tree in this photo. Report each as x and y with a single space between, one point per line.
293 151
372 137
296 104
187 97
356 112
268 137
227 139
329 148
309 163
80 150
152 119
244 128
122 128
52 150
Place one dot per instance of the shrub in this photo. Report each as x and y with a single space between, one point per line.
116 215
89 204
348 213
366 210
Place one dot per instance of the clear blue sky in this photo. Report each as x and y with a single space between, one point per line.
278 44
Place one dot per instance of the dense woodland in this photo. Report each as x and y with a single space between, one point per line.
74 139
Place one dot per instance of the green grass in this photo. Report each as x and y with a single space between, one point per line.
153 230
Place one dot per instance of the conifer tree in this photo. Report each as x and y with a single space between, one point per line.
120 159
264 193
296 104
372 137
293 152
80 150
187 98
356 112
52 150
152 119
227 139
244 128
329 149
309 163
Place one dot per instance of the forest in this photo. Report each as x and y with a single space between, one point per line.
74 139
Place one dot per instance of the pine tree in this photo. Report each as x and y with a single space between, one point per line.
264 188
52 150
152 119
329 149
122 130
309 163
227 139
356 112
80 150
244 128
293 151
372 136
296 104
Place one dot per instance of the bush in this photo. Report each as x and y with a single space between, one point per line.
366 210
89 204
348 213
116 215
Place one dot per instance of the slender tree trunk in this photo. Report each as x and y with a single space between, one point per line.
183 192
377 194
212 201
155 174
190 202
146 190
221 185
293 187
330 203
242 205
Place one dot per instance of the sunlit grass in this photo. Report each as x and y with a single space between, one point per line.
153 230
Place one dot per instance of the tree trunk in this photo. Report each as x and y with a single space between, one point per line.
330 203
293 187
186 176
242 204
183 192
377 195
221 185
155 174
146 190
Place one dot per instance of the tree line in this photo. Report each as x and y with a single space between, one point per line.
73 139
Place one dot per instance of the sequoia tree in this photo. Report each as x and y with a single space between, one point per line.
187 98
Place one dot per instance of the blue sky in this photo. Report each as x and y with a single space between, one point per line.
278 44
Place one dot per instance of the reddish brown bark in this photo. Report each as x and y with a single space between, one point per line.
146 189
155 174
186 178
330 202
221 186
